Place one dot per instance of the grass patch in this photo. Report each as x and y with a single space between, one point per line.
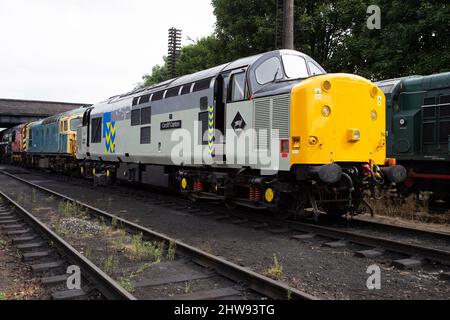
72 209
2 296
127 284
3 243
141 249
114 222
110 264
276 270
171 252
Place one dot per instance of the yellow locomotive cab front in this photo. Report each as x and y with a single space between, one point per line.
337 118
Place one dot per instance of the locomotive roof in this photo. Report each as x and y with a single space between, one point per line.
205 74
417 82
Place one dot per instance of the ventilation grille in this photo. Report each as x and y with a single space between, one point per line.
271 114
428 133
444 132
280 115
262 123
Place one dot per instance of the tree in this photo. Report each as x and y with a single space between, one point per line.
413 39
204 54
159 73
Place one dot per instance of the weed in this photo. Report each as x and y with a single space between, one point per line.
3 243
2 296
114 222
171 252
110 264
71 209
127 284
187 288
276 271
143 250
88 253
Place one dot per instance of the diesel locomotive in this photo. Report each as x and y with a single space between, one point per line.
272 131
418 123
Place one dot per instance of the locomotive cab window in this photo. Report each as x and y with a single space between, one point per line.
237 87
269 71
314 70
295 67
75 124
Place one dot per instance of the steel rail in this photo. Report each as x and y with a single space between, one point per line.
363 239
255 281
109 288
356 222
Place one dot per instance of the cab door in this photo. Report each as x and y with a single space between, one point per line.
239 113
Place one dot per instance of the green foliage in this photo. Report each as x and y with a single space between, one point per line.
276 270
171 252
208 52
142 249
2 296
413 38
127 284
110 264
159 73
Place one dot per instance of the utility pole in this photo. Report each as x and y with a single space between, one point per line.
174 50
288 25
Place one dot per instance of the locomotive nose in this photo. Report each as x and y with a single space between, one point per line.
338 118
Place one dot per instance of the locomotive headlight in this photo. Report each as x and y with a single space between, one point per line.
326 111
354 135
374 115
402 122
326 85
374 92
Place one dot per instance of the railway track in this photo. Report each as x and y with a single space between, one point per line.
191 264
37 242
375 236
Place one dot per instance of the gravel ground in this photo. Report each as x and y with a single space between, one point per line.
326 273
16 280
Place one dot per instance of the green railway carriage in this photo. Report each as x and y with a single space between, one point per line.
418 124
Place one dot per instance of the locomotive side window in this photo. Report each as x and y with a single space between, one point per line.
144 99
146 115
269 71
202 85
96 130
172 92
237 87
186 89
158 96
136 117
295 67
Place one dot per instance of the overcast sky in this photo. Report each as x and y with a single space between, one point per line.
86 51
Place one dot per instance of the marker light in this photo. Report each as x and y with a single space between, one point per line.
374 115
326 111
